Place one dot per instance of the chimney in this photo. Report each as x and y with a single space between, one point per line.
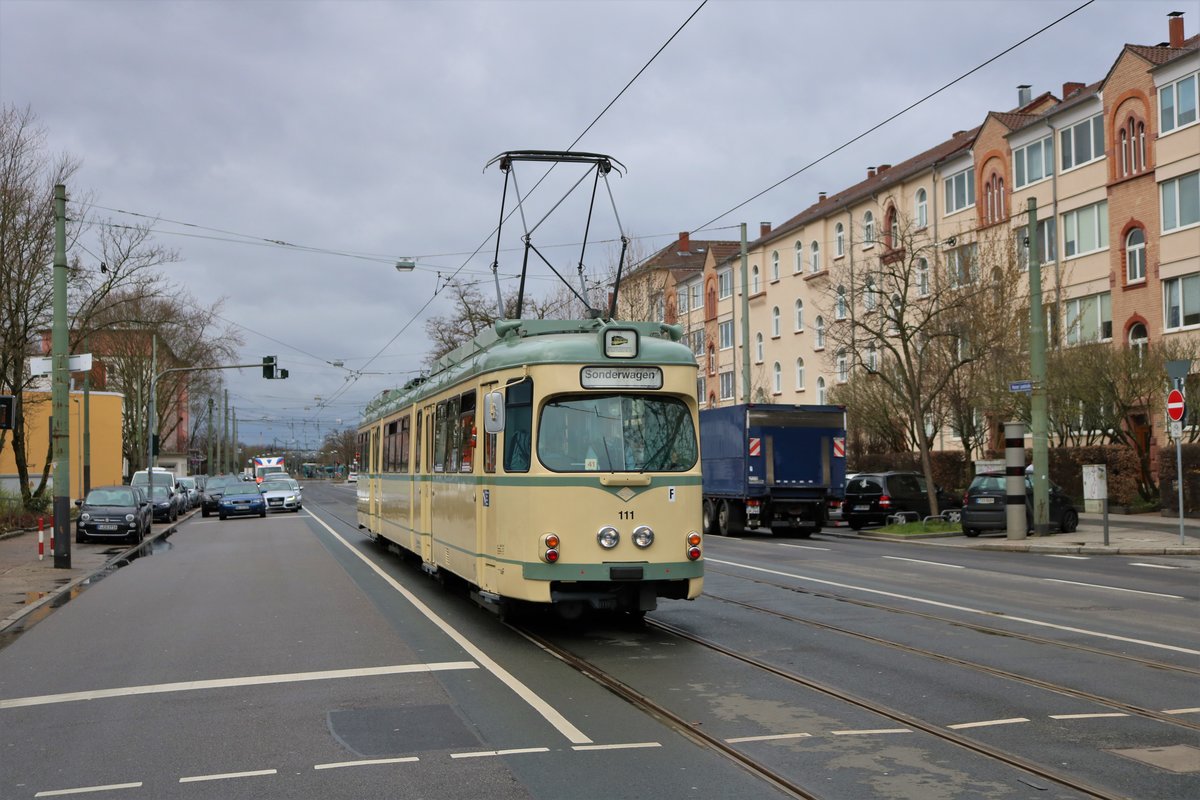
870 172
1024 95
882 169
1175 26
763 229
1070 88
820 197
685 243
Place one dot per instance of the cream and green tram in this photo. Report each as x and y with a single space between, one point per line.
549 462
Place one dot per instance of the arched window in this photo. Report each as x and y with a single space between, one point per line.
800 374
995 205
868 229
712 360
839 238
799 314
777 378
820 391
839 311
843 366
754 279
775 322
897 309
893 228
799 257
922 277
922 209
1133 146
758 348
816 257
1135 256
774 265
819 341
1138 338
870 294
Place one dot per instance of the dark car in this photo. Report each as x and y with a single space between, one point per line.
113 512
214 487
241 498
165 503
984 507
873 498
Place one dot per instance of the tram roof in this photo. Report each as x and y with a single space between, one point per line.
516 343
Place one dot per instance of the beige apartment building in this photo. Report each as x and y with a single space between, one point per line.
1114 167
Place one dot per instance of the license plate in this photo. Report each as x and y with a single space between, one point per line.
862 508
985 501
106 527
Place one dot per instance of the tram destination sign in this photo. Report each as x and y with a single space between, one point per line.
622 377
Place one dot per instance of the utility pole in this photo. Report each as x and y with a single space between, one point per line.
236 460
208 464
745 320
225 435
1038 401
61 430
87 433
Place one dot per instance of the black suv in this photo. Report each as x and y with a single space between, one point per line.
984 507
873 498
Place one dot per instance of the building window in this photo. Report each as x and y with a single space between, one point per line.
775 322
868 229
1089 319
1138 338
1047 246
799 315
872 358
1033 162
839 311
1181 202
1182 301
820 391
922 277
774 265
727 385
839 239
681 300
870 296
799 374
960 191
758 348
843 366
819 341
725 284
962 266
1082 143
1133 147
776 378
1085 230
896 310
1177 103
995 205
1135 256
725 331
922 209
816 257
712 360
658 308
892 227
697 294
799 257
754 281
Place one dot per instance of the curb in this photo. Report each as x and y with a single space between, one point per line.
1028 547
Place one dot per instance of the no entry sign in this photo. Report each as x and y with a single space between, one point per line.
1175 405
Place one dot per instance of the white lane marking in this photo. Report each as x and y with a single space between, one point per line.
1087 716
770 738
490 753
225 683
964 725
1152 566
1182 711
228 776
548 712
953 607
919 561
1074 558
82 789
366 762
869 732
629 746
1115 588
805 547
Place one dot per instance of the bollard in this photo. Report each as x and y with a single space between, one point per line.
42 524
41 539
1014 481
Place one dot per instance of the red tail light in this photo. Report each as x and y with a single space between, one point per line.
885 501
693 553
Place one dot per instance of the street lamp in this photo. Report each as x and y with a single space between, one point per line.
406 265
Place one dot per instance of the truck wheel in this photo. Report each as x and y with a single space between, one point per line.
731 518
710 526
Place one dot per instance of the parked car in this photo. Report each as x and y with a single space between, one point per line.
351 477
165 501
872 498
191 492
241 498
113 512
214 487
281 493
984 507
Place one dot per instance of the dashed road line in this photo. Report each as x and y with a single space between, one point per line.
629 746
986 723
85 789
1152 566
1115 588
490 753
1073 558
768 738
919 561
369 762
1088 716
806 547
871 732
1182 711
224 776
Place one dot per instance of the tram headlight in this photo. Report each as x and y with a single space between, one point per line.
693 548
550 544
608 537
643 536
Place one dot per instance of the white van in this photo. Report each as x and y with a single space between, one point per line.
162 477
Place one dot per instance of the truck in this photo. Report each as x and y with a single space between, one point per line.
266 465
771 466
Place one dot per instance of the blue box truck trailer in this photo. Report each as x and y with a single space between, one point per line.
771 466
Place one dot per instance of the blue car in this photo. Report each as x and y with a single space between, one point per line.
244 499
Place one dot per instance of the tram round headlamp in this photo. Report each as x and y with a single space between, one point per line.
643 536
608 537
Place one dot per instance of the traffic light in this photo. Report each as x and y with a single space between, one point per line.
282 373
8 411
268 367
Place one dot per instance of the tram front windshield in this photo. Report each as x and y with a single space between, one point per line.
616 433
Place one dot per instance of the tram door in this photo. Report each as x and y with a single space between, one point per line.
374 478
424 517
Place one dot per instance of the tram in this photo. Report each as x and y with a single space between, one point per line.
546 462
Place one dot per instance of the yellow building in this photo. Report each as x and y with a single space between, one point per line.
104 412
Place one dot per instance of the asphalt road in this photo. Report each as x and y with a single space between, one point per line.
291 657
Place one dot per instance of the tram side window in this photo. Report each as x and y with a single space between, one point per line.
439 439
402 458
467 432
419 445
389 448
518 425
452 439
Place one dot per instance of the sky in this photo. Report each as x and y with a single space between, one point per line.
292 151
